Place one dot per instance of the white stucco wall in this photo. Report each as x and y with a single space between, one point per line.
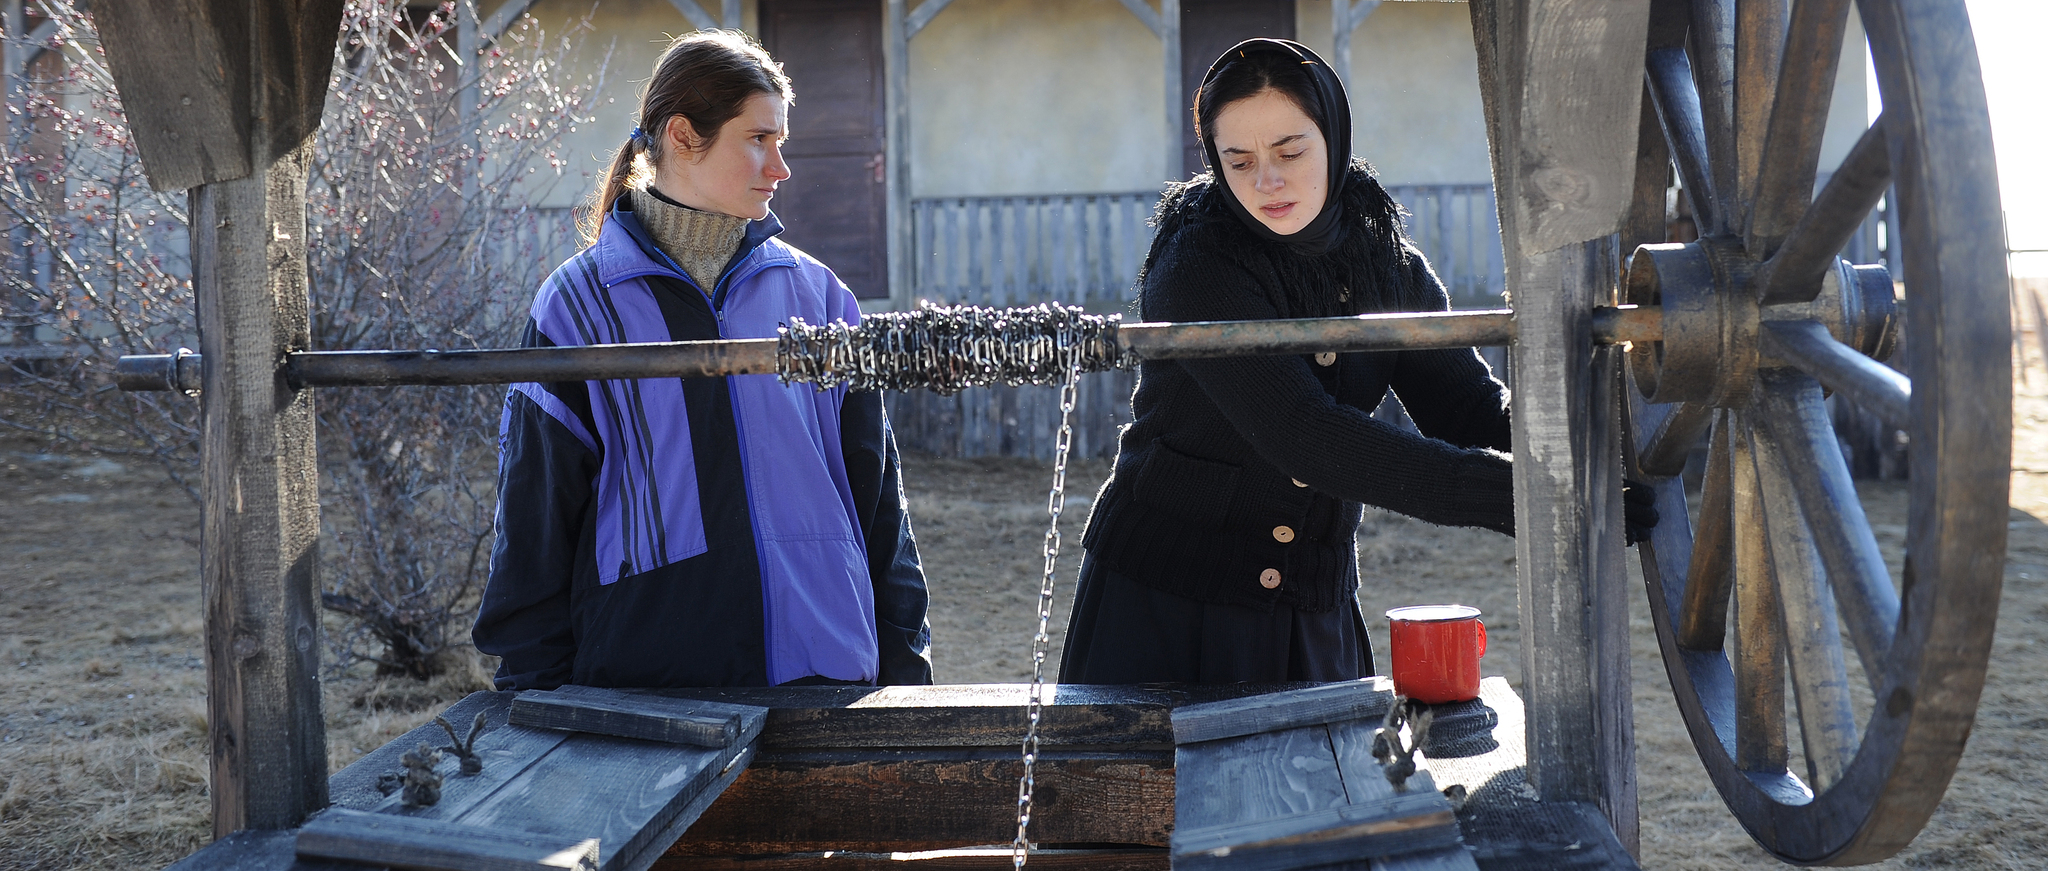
1415 109
633 34
1036 96
1064 96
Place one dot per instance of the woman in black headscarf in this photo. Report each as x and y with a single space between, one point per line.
1221 549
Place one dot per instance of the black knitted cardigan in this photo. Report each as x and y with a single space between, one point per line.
1234 467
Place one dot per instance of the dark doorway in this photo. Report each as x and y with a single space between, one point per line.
1207 28
833 206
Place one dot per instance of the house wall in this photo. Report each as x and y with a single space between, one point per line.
1415 108
1033 97
624 39
1063 96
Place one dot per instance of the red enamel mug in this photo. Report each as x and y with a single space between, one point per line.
1436 652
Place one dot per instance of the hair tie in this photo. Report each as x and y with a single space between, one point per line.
636 135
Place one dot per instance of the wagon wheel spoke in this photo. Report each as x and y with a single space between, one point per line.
1759 46
1793 274
1812 49
1798 423
1703 619
1670 438
1813 642
1713 68
1670 76
1669 549
1843 369
1759 658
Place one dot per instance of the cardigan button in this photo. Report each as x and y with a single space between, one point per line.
1326 358
1297 482
1283 534
1270 579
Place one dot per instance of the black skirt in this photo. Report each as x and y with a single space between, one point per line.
1123 632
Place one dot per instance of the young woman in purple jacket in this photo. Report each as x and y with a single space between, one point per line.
707 531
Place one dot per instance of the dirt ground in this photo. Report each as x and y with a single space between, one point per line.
103 720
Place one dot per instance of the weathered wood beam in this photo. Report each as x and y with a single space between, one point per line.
648 718
1345 17
1165 24
1561 82
223 97
1366 698
923 15
261 523
691 10
963 859
406 842
12 61
215 90
896 149
38 44
507 14
886 800
701 18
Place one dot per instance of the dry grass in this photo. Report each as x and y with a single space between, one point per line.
103 722
103 741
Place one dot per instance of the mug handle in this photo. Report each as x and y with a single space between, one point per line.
1482 636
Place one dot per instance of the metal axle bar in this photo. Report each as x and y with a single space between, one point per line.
1146 341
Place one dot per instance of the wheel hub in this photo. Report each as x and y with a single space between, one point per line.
1708 290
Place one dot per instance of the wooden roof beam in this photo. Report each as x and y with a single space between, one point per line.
728 18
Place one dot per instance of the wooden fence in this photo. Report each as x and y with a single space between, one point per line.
1086 249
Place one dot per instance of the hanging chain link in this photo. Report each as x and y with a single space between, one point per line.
1020 849
947 349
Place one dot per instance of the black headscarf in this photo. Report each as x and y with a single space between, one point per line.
1332 115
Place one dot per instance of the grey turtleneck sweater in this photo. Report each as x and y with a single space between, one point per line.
700 242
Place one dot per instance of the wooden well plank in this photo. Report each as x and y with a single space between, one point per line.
899 801
622 791
989 858
1281 800
1221 784
966 715
657 845
696 722
256 850
1327 703
507 751
435 845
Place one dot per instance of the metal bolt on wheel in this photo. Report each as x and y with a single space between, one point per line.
1777 579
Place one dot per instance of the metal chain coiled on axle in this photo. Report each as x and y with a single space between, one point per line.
947 349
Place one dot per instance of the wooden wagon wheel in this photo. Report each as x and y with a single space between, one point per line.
1778 574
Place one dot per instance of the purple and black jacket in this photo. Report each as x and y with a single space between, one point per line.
705 531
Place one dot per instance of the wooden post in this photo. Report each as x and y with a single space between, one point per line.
16 54
262 512
899 24
1561 98
896 151
1345 17
1177 101
223 97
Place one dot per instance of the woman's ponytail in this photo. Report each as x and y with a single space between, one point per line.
616 180
706 77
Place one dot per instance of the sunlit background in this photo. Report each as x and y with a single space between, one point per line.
2015 67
